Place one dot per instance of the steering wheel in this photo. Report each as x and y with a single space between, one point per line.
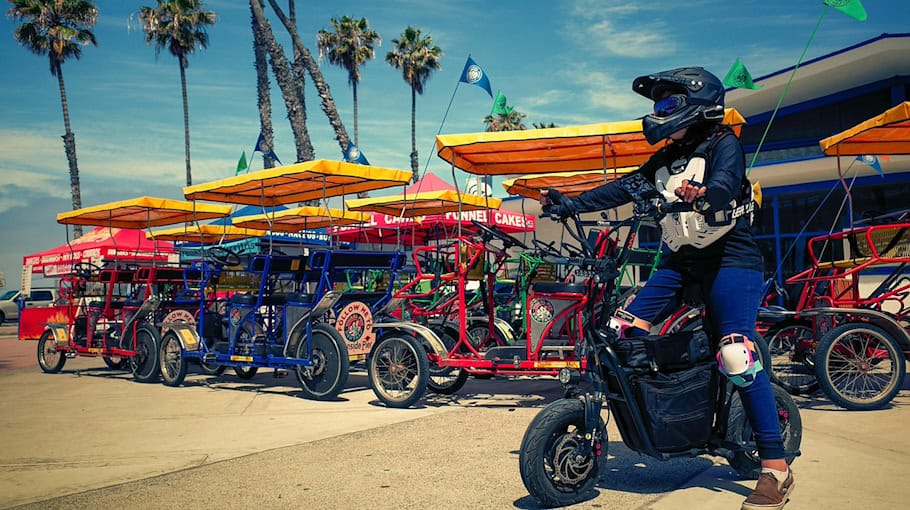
495 233
86 270
223 256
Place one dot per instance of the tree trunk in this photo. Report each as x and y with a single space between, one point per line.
262 91
356 138
283 76
414 163
186 120
69 147
325 94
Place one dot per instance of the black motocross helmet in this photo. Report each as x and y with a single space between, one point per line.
696 96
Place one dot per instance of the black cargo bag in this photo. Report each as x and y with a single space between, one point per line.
678 407
659 352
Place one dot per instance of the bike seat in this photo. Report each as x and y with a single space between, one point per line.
553 287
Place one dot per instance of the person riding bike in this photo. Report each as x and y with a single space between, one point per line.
712 245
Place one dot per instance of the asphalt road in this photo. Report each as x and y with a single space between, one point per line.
92 438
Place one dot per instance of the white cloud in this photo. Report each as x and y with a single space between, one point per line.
622 29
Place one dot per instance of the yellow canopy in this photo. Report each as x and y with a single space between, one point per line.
205 234
888 133
301 218
569 184
310 180
424 204
143 212
562 149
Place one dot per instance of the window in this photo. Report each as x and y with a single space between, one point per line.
41 295
8 295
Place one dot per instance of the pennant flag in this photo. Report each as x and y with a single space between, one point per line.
270 153
852 8
499 105
353 155
241 165
474 75
738 76
873 162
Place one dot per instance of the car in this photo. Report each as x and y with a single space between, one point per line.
9 302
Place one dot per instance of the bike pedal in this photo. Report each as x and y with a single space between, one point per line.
278 374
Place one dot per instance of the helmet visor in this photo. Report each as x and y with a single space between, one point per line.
669 105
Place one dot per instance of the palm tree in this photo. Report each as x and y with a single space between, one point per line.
58 29
305 58
349 47
179 26
286 82
543 125
417 57
263 97
510 122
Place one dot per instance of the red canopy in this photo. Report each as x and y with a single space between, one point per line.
384 228
100 245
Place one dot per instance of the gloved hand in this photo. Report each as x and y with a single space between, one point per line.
555 203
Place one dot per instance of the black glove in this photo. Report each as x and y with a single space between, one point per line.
560 206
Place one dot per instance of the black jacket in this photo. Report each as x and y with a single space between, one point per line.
725 177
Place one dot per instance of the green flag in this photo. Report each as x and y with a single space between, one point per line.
499 105
738 76
852 8
241 165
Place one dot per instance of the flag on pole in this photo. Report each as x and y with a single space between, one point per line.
353 155
873 162
241 165
499 105
472 74
852 8
738 76
260 143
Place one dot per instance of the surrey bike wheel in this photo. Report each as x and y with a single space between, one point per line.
144 363
49 358
173 362
792 348
328 372
445 380
860 367
398 370
551 468
747 462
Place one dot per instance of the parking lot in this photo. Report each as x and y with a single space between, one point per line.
92 438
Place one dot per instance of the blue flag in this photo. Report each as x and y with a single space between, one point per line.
474 75
270 153
353 155
873 162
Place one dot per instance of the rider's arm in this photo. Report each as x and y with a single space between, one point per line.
618 192
728 167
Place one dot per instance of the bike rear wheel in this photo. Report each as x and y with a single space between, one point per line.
747 462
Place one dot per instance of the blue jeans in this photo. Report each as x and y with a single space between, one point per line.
732 296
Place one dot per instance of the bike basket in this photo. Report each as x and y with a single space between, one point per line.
678 407
674 351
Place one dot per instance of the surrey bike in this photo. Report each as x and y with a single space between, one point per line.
665 393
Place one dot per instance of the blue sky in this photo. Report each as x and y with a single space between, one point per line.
567 62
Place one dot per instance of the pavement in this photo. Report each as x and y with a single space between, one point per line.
90 437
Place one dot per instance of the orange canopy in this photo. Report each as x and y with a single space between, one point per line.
143 212
569 184
300 182
562 149
888 133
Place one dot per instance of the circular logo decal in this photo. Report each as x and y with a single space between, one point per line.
354 153
235 316
177 316
474 74
541 310
355 323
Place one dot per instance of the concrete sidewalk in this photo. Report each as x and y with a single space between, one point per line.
239 444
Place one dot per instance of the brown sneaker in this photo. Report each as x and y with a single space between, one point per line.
769 494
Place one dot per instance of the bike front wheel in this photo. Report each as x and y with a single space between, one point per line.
553 468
